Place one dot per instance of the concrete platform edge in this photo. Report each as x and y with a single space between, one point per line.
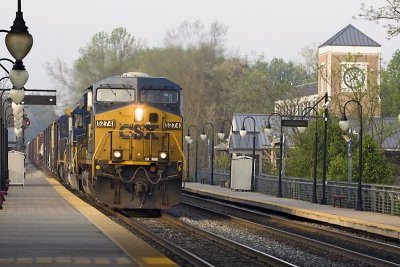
138 250
381 229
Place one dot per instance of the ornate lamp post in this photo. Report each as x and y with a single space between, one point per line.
268 131
19 42
203 137
243 132
302 129
189 140
221 136
344 125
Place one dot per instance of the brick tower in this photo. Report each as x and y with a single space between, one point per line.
349 65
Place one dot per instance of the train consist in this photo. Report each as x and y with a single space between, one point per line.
122 144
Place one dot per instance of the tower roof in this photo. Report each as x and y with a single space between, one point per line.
350 36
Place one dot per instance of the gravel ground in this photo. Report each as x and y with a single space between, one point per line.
208 250
313 234
288 250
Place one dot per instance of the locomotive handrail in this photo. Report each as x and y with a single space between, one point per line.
97 148
167 132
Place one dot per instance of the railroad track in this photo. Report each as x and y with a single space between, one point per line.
363 250
203 248
215 250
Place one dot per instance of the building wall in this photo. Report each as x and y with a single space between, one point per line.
333 61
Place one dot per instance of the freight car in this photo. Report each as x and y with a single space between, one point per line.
122 144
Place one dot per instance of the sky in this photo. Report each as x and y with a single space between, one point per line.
272 28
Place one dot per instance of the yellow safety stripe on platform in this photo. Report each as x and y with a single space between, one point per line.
134 247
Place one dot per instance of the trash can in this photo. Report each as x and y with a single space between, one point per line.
16 167
241 173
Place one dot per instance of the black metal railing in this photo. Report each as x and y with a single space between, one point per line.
375 198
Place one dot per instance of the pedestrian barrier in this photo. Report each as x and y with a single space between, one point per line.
375 198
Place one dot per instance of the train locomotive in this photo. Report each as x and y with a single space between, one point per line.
122 144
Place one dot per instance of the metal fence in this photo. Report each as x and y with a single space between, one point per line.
376 198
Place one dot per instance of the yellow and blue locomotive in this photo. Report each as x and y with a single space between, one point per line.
122 144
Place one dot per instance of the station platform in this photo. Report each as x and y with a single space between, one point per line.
43 224
377 223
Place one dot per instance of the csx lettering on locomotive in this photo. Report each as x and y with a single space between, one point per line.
137 131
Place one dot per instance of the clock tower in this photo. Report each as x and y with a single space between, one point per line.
349 66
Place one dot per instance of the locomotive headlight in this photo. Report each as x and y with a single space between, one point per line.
117 154
139 114
162 155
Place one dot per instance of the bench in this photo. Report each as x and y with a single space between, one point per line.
336 198
2 199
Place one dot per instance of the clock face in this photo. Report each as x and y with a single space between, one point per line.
354 78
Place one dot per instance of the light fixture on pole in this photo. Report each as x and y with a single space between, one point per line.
18 75
268 132
243 133
344 124
221 136
18 40
17 95
189 140
203 137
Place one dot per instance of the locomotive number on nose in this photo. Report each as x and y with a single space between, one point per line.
105 123
167 125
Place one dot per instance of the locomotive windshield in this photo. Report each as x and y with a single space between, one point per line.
115 95
159 96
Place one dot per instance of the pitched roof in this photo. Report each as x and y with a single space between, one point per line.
308 88
350 36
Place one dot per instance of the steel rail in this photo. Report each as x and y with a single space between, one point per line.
345 237
261 256
305 240
188 256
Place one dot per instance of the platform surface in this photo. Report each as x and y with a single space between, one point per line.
383 224
43 224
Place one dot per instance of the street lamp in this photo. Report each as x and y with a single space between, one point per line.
221 133
344 125
268 131
243 132
221 136
18 40
203 137
325 148
302 129
189 141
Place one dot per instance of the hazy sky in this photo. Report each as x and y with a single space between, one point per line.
274 28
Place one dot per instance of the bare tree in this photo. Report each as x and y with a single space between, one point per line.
389 13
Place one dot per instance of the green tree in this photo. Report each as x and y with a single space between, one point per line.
389 13
376 168
390 87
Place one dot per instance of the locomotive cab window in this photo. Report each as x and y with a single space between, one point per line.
115 95
79 121
159 96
